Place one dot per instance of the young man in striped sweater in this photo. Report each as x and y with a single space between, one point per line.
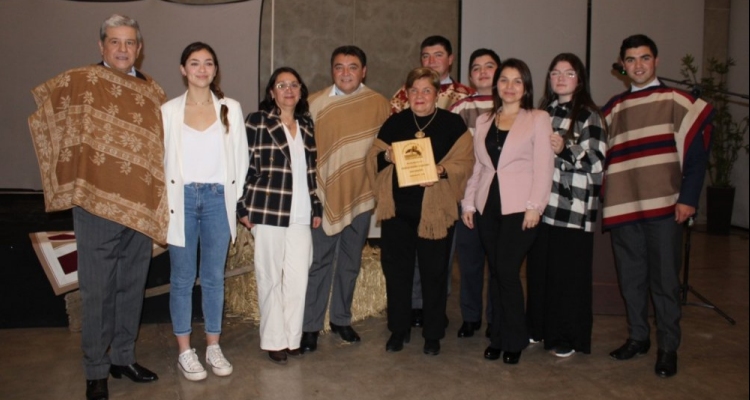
659 140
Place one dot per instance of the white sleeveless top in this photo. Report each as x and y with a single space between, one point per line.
202 153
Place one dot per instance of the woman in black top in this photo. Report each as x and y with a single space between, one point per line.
415 220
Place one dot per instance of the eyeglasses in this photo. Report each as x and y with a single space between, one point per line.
567 74
287 85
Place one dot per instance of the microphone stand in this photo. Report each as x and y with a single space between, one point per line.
685 288
696 91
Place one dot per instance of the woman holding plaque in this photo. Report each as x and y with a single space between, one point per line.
509 189
415 218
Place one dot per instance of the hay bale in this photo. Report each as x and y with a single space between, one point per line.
369 295
241 292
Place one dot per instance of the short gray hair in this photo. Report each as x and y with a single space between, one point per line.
117 20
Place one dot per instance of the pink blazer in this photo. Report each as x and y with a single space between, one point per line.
524 170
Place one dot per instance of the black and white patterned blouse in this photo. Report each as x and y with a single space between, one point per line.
579 169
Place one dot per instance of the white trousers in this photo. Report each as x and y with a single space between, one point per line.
282 261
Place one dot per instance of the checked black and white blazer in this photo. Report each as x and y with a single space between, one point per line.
268 186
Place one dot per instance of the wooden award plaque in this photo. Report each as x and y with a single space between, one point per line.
415 163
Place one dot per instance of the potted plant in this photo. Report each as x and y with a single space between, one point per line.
728 139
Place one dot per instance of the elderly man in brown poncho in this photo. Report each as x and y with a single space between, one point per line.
98 137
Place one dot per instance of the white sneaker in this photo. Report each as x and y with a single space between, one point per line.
564 351
215 358
190 366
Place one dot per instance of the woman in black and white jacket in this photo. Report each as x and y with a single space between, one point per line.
279 206
559 305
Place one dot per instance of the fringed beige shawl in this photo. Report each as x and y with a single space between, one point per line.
345 127
440 201
98 138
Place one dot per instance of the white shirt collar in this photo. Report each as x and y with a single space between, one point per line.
653 83
131 72
335 91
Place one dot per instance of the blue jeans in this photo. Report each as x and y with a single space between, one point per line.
205 223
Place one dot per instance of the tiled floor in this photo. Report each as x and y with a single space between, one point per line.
713 359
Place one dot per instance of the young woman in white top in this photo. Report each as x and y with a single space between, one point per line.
205 164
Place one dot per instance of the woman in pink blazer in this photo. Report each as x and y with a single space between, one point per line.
509 189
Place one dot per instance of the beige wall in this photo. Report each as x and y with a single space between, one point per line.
675 25
390 32
537 30
41 38
533 31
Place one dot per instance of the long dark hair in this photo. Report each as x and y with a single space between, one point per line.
527 101
581 100
301 110
198 46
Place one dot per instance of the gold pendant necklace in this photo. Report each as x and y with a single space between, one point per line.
420 131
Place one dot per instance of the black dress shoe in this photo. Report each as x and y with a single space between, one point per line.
432 347
417 317
135 372
309 342
666 363
279 357
630 349
511 357
467 329
492 353
97 389
346 332
397 340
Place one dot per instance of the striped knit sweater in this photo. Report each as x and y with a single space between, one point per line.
658 149
470 108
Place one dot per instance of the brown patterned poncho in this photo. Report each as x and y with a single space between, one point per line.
98 138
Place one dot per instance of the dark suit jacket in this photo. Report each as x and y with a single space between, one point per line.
268 186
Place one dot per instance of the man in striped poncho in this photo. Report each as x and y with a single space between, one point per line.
658 139
347 116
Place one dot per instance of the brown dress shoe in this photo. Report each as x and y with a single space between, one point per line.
279 357
293 352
